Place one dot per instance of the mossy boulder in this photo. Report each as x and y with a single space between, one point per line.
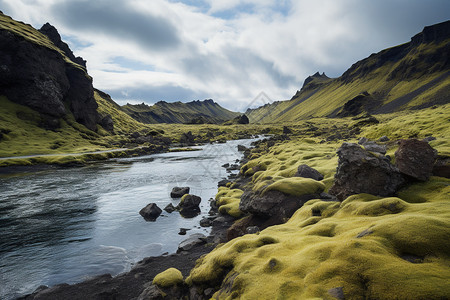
169 277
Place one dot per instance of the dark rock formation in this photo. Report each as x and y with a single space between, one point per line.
192 241
169 208
178 192
189 206
442 167
374 147
272 204
40 78
107 123
362 103
415 158
151 212
308 172
241 148
286 130
359 171
187 138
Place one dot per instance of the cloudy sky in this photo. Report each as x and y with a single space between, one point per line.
228 50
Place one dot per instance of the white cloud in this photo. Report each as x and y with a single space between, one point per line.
226 50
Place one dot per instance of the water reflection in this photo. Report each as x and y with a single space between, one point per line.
66 224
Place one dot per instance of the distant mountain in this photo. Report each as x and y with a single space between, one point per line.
410 76
195 112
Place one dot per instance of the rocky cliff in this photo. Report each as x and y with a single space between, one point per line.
38 70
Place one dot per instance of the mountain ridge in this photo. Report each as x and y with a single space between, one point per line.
411 75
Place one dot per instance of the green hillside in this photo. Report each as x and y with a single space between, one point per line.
195 112
410 76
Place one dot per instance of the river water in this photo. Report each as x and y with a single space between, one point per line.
67 225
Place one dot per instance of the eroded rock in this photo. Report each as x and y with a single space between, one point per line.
360 171
308 172
151 212
415 158
178 192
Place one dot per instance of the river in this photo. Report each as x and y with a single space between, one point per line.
66 225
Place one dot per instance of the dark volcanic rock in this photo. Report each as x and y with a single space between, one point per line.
151 212
415 158
442 167
107 123
169 208
359 171
193 240
51 32
189 206
374 147
308 172
242 119
178 192
272 204
40 78
286 130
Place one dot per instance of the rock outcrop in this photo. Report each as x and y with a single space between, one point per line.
44 79
415 158
360 171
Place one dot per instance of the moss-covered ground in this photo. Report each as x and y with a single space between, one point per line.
365 247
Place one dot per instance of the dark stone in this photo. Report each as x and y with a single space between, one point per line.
362 140
429 139
151 212
107 123
374 147
337 292
192 241
205 222
442 167
223 182
383 139
286 130
151 292
369 120
178 192
359 171
415 158
273 204
169 208
308 172
225 165
252 229
189 206
190 202
242 119
241 148
183 231
187 138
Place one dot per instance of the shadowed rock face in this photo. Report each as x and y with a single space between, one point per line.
362 172
40 78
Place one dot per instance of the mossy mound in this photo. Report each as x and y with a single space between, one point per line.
366 246
228 201
169 277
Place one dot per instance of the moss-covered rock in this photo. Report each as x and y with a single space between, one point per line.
169 277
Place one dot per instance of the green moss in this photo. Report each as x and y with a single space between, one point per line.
168 278
228 201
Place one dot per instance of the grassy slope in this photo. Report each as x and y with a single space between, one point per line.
327 98
177 112
309 256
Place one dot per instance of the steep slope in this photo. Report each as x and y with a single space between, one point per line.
38 74
408 76
195 112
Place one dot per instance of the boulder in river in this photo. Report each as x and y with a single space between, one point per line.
189 205
151 212
178 192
